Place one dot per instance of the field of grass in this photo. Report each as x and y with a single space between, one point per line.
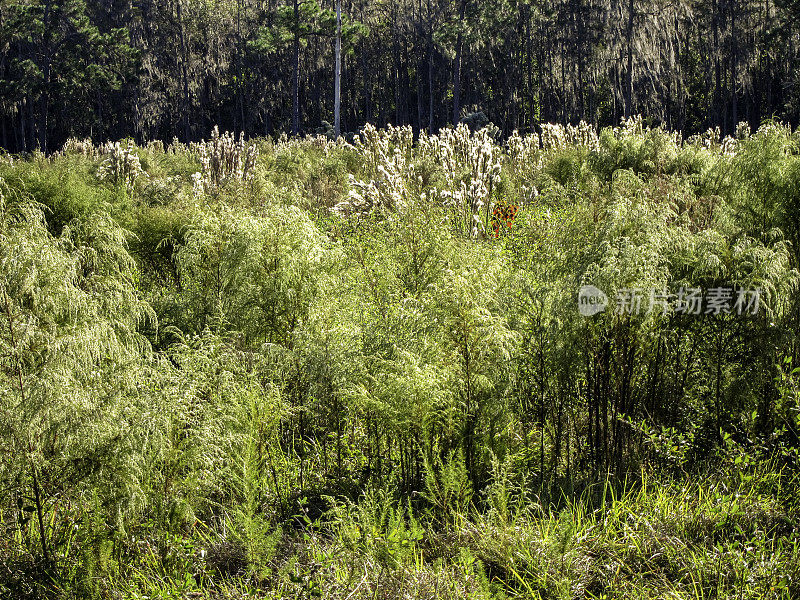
303 368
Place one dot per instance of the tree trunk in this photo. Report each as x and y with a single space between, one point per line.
734 52
629 72
529 69
457 65
19 132
419 97
296 71
338 74
31 125
184 72
44 101
430 79
396 68
717 70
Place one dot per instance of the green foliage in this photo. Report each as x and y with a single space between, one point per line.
328 378
253 274
66 191
71 349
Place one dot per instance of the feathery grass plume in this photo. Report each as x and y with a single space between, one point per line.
224 159
177 147
584 135
321 142
728 145
121 166
376 145
523 161
554 136
710 139
472 164
631 126
386 154
743 130
83 147
522 149
155 147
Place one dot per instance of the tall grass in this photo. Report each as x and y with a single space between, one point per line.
311 368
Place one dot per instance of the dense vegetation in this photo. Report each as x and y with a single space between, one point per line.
158 69
303 368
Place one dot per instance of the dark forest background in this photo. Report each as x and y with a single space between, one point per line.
174 68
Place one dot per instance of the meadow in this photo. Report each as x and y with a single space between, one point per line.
361 368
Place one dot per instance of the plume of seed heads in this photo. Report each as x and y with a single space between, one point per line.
121 165
223 159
